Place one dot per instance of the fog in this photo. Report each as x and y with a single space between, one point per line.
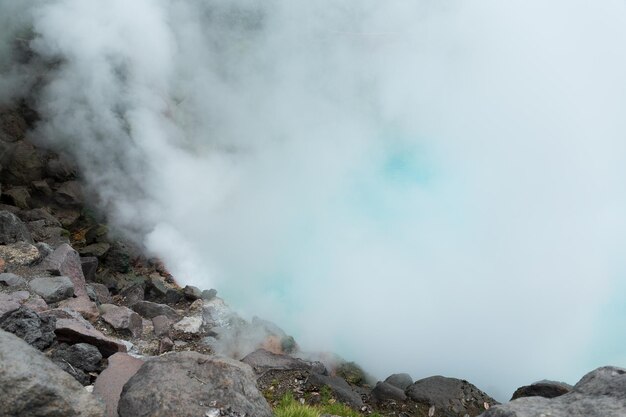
422 187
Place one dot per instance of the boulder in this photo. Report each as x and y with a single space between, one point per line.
195 385
65 261
53 289
401 381
262 360
60 168
11 280
173 296
384 391
600 393
208 295
12 229
449 395
338 387
149 310
192 293
75 330
19 254
8 304
31 385
546 389
52 235
29 326
25 164
122 319
110 382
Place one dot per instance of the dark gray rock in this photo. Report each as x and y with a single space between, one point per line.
384 391
122 319
89 265
77 330
60 168
449 395
24 165
39 214
69 194
44 249
95 249
117 258
401 381
81 355
600 393
11 280
186 384
173 296
192 293
96 233
53 289
100 292
149 310
262 360
29 326
12 229
208 295
17 196
33 386
52 235
338 387
66 261
546 389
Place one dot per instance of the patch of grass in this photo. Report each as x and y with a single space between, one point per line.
288 407
339 409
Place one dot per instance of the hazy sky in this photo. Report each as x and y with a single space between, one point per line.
423 187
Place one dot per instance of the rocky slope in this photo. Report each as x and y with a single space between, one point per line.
91 327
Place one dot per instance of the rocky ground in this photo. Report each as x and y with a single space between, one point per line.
92 327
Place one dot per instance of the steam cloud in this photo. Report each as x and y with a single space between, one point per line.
423 187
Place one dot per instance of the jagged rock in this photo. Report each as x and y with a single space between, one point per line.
82 305
19 254
165 345
149 310
52 235
188 325
29 326
262 361
42 187
11 280
162 326
17 196
89 265
546 389
192 293
133 294
81 355
156 288
25 164
110 382
31 385
65 261
208 295
36 303
173 296
122 319
53 289
384 391
194 382
100 292
8 304
96 233
401 381
118 258
600 393
95 249
67 216
69 194
338 387
12 229
449 395
74 330
44 249
39 214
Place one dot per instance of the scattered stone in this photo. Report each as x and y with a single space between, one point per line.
195 381
150 310
95 249
32 385
110 382
100 292
165 345
600 393
89 265
12 229
401 381
65 261
162 326
122 319
449 395
29 326
53 289
19 254
8 304
209 294
384 391
72 330
192 293
546 389
11 280
262 361
188 325
82 305
339 388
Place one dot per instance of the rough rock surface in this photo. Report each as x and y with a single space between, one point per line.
110 382
53 289
338 387
195 385
73 330
37 387
546 389
11 280
29 326
19 253
66 261
122 319
402 381
12 229
600 393
262 360
150 310
384 391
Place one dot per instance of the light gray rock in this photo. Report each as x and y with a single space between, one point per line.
32 386
53 289
402 381
11 280
19 254
12 229
188 384
600 393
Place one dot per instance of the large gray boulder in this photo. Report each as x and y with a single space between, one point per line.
189 384
12 229
32 386
600 393
546 389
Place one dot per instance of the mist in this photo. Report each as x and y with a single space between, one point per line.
422 187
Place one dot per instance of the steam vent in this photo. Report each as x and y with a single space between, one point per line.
331 208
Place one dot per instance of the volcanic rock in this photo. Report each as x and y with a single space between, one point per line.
192 293
149 310
339 388
19 254
29 326
73 330
110 382
100 292
401 381
31 385
53 289
8 304
95 249
262 360
17 196
76 359
122 319
162 326
82 305
188 325
11 280
12 229
195 383
384 391
65 261
89 265
173 296
69 194
546 389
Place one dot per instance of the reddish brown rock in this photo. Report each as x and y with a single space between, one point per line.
82 305
165 345
75 331
110 382
122 319
66 261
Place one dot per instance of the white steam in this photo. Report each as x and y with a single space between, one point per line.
423 187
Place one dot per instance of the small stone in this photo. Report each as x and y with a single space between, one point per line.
101 293
69 194
172 297
53 289
95 249
11 280
65 261
72 330
12 229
